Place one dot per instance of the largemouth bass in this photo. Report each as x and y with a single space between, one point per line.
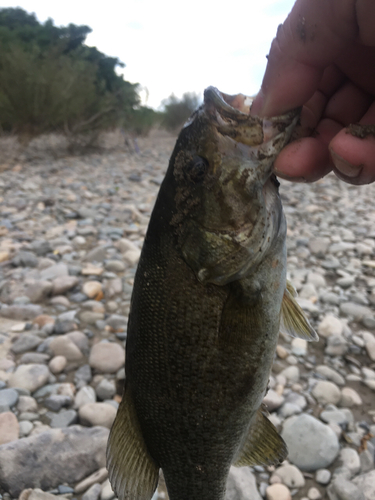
209 298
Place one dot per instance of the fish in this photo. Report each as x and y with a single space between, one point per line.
210 296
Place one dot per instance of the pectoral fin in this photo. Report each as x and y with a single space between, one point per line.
263 444
293 320
132 472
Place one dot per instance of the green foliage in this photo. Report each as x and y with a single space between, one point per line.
51 81
141 120
177 111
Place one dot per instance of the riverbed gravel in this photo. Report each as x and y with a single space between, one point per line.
71 232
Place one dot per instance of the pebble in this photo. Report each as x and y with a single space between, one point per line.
326 392
8 397
330 325
93 492
9 427
311 444
43 285
97 414
278 492
323 476
350 397
92 289
349 458
30 377
290 475
97 477
107 357
57 364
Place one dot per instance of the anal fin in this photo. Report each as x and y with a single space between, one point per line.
263 444
133 473
293 320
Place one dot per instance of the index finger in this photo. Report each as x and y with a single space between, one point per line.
314 34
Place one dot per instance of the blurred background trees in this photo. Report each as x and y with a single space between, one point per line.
50 81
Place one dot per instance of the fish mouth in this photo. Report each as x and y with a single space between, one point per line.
231 114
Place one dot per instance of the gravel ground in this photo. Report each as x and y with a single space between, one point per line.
71 231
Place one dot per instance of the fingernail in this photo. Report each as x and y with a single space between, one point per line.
343 166
288 177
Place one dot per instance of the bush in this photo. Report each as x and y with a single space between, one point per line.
177 111
50 81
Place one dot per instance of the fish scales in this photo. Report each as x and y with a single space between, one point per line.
205 311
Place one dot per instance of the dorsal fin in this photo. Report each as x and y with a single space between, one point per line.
293 320
133 474
263 444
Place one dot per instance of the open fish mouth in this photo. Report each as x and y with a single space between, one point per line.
232 116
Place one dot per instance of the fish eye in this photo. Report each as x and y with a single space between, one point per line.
197 169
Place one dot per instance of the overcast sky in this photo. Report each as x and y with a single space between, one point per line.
171 46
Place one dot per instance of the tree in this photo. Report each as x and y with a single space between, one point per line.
177 111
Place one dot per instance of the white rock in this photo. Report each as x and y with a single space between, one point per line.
350 397
290 475
349 458
102 414
299 347
330 325
278 492
326 392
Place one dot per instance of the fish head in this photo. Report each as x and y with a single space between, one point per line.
227 211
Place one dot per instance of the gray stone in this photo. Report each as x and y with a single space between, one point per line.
116 321
106 389
367 461
34 357
64 418
114 266
30 377
97 414
330 374
8 397
357 311
336 346
98 477
107 357
84 396
326 392
52 458
27 403
339 417
41 247
241 485
366 484
21 312
57 401
323 476
26 342
82 376
312 445
63 284
342 489
25 427
273 400
319 246
39 291
97 254
93 493
64 346
54 271
25 259
349 458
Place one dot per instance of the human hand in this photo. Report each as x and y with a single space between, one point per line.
323 58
